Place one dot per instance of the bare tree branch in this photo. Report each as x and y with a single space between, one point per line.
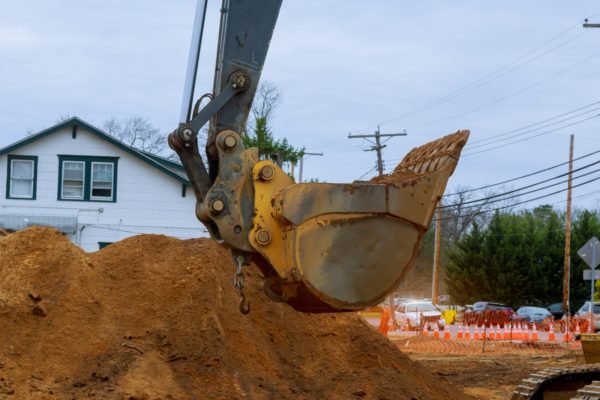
137 132
266 99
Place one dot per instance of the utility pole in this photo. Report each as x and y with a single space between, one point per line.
567 262
377 146
302 163
436 255
588 25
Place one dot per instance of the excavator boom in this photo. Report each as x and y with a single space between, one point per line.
320 247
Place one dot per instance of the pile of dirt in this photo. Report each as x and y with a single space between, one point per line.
153 317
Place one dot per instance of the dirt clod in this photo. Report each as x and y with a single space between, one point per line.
39 310
153 317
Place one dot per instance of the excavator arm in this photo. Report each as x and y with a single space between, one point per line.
320 247
244 36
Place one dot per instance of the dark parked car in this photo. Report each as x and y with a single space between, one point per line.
488 305
556 309
533 314
487 312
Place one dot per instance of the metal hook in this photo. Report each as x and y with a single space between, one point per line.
244 305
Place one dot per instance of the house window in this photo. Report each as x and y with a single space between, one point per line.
102 180
87 178
73 180
21 177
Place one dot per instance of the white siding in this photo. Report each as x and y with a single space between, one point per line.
148 200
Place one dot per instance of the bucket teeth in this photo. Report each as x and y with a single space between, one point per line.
429 158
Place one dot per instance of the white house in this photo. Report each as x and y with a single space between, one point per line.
93 188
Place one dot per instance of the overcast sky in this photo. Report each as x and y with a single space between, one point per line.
342 66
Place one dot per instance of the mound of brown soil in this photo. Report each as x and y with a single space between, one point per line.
153 317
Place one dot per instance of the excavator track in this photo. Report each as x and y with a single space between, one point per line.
559 383
589 392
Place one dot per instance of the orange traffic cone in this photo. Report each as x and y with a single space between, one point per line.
517 333
467 332
534 333
567 334
425 332
436 331
491 333
521 332
507 332
476 335
498 332
551 334
525 333
384 322
460 335
447 335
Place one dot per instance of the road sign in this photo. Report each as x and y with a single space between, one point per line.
587 274
590 252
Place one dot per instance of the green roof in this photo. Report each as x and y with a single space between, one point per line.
169 167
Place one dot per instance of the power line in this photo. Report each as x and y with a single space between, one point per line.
522 176
501 196
519 203
510 95
596 103
486 78
581 196
500 72
533 184
470 146
467 153
367 173
497 74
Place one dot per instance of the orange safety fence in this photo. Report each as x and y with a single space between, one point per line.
493 326
488 318
505 318
429 344
582 322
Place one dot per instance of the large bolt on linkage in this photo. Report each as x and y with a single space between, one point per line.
182 137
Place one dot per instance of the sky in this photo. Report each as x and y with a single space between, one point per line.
342 66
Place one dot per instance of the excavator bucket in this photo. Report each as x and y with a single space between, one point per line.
342 247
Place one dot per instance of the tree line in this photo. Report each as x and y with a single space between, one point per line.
517 258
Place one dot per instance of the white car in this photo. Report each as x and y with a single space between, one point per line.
415 314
